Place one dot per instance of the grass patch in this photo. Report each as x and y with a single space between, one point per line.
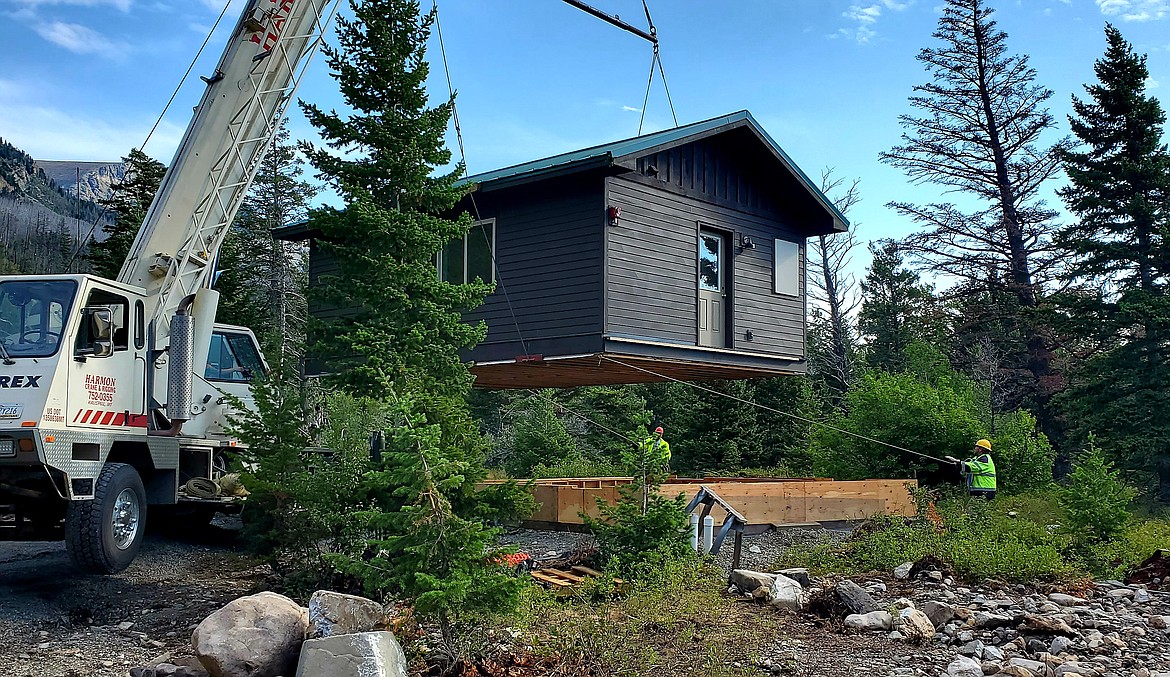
978 540
676 622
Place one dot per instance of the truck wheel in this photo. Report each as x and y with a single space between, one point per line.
103 535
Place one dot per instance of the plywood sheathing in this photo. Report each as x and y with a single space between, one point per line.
762 501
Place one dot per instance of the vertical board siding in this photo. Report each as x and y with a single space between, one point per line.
652 285
549 254
711 166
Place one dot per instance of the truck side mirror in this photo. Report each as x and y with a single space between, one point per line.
99 327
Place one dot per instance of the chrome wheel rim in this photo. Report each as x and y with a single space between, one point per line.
125 519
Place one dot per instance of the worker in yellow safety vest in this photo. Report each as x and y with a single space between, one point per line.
656 453
979 471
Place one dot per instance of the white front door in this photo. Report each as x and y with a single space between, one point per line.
712 258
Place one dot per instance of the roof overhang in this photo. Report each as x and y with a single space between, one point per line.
624 153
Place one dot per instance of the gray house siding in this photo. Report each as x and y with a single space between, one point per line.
549 255
651 282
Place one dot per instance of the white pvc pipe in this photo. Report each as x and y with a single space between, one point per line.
694 532
708 533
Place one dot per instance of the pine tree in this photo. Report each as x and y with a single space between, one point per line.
263 280
129 202
400 339
980 134
402 321
896 310
715 433
1119 189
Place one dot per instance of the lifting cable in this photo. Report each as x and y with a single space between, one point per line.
471 194
770 409
511 310
153 129
655 60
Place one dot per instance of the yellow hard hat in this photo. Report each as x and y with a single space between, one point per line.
986 444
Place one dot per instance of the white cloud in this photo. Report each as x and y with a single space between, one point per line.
1135 10
1151 83
122 5
864 16
81 40
632 109
47 132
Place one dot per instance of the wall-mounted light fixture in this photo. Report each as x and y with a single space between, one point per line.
746 242
614 214
749 335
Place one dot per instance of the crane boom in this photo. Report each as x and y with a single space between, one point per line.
233 126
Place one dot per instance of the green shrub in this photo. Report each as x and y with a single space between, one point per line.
1118 557
299 510
1095 501
633 541
930 409
977 540
578 465
1023 456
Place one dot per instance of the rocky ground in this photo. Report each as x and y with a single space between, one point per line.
55 622
1112 630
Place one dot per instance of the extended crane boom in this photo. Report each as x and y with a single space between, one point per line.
123 387
219 155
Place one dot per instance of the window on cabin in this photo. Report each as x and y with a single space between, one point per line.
786 272
469 258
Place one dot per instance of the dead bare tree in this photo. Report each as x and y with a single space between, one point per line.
980 135
835 289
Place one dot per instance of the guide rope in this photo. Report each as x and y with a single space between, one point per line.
471 194
772 410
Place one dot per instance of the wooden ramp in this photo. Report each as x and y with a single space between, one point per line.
761 501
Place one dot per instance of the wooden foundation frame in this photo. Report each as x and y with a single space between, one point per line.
761 501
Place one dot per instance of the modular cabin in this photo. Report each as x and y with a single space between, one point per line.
673 255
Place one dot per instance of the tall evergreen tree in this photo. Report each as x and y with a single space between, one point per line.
401 339
264 279
897 310
980 133
1119 190
129 201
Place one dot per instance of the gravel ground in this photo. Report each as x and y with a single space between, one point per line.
539 544
56 622
762 552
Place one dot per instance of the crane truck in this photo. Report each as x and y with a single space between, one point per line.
113 393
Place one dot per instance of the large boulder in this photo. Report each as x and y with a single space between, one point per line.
786 594
255 636
364 654
332 613
748 581
855 599
874 620
914 626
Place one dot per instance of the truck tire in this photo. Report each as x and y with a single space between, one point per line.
103 536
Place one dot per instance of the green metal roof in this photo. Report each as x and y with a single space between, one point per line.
606 154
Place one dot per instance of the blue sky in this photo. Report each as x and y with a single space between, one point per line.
85 79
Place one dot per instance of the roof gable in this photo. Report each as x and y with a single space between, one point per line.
633 153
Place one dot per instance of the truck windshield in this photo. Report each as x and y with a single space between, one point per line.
33 315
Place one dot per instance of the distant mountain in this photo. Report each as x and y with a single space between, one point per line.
93 180
21 177
41 222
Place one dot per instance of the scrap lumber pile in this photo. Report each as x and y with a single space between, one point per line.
563 581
